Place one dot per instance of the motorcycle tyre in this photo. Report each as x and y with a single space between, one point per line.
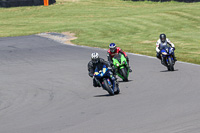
171 66
107 87
124 74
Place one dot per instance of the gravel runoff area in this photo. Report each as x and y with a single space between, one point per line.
64 37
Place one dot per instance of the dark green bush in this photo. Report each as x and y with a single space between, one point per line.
15 3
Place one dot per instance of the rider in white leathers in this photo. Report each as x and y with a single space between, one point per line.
163 41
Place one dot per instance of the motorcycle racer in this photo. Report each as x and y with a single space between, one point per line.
98 63
113 50
162 42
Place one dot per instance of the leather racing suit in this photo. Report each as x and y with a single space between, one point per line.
91 69
159 43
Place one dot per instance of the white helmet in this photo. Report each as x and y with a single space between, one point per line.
95 57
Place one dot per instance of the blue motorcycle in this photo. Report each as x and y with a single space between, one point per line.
167 57
105 79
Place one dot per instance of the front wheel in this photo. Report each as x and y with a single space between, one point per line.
107 87
170 66
124 74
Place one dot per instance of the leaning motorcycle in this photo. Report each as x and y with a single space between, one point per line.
103 78
121 66
167 57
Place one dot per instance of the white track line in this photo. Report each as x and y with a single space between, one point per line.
106 50
134 54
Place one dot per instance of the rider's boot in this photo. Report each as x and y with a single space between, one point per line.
130 70
96 83
158 55
162 61
174 57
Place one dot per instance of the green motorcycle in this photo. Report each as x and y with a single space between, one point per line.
121 66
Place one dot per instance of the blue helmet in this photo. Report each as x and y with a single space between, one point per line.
112 47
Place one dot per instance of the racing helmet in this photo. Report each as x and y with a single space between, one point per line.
95 57
162 38
112 47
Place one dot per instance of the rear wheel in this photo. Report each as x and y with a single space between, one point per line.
171 66
124 74
107 87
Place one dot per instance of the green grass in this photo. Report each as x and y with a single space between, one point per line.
134 26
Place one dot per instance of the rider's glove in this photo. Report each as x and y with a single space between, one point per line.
173 48
109 68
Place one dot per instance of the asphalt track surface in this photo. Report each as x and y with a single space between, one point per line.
45 88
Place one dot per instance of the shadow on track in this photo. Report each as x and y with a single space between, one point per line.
106 95
121 81
168 71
